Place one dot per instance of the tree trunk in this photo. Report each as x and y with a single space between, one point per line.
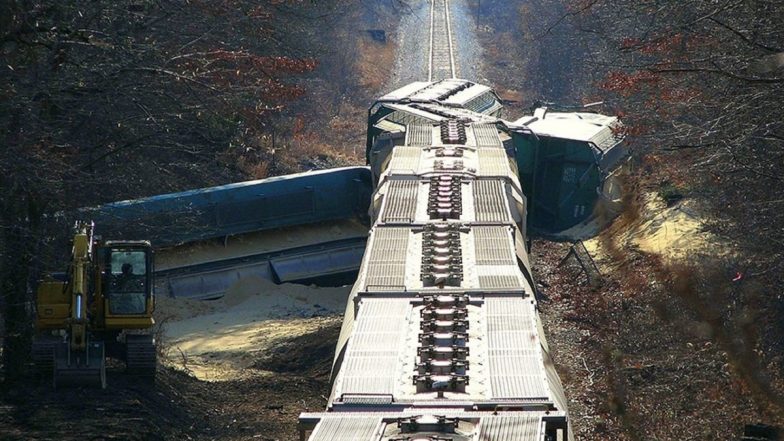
17 244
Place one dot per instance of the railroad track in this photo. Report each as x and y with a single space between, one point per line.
442 54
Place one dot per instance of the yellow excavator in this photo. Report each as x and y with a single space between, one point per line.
102 306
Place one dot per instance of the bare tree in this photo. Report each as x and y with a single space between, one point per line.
106 100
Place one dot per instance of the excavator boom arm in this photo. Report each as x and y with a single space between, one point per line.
80 268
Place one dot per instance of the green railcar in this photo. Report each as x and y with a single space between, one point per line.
566 162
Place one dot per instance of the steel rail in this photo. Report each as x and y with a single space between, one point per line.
442 58
449 39
430 56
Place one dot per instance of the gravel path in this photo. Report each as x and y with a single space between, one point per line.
413 46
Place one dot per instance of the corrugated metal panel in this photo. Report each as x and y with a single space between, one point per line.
487 135
419 135
400 201
605 139
405 159
449 112
490 201
368 400
499 282
517 374
485 103
390 276
506 276
386 265
509 315
371 363
405 117
481 102
389 126
345 428
503 325
494 110
466 93
515 428
492 246
514 351
440 90
370 375
493 162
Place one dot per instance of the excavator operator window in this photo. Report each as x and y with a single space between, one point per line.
127 282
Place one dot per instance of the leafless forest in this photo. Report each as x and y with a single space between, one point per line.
105 100
688 349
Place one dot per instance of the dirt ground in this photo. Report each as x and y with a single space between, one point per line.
292 377
223 339
644 355
239 368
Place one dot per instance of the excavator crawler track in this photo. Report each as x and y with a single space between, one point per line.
141 356
43 357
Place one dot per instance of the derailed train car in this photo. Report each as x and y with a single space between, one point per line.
441 338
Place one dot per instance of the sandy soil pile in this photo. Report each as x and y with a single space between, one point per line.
221 339
257 243
674 233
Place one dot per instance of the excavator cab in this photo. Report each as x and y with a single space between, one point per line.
127 282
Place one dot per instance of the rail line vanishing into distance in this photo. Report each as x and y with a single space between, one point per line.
442 53
441 339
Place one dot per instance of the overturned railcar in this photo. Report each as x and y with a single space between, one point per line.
570 165
209 238
441 338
